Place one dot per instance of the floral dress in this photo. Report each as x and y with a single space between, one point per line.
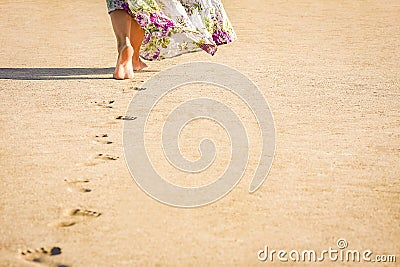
175 27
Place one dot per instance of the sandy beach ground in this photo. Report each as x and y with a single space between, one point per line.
331 74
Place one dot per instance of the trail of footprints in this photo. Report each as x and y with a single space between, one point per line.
72 216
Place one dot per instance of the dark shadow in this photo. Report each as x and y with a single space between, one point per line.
54 73
57 73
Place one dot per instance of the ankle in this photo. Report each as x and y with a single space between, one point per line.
135 59
121 44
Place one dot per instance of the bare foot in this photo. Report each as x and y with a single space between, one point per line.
124 69
138 64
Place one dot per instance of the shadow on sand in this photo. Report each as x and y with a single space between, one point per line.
57 73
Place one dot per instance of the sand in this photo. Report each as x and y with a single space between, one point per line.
330 72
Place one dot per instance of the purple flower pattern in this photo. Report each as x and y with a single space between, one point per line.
174 28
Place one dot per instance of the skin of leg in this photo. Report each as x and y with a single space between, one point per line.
121 22
137 35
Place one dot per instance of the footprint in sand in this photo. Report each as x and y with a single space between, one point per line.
82 212
42 256
75 186
121 118
126 118
98 159
74 216
134 88
106 157
102 139
104 104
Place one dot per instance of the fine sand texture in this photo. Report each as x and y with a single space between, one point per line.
330 72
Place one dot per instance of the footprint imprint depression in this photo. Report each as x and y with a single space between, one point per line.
74 216
104 104
102 139
42 255
82 212
74 186
126 118
106 157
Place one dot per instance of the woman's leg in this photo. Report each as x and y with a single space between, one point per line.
137 35
121 22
